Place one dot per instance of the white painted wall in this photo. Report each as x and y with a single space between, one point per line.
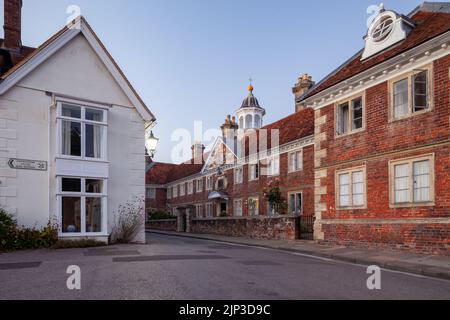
28 131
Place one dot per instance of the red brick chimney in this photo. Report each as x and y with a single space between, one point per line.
13 24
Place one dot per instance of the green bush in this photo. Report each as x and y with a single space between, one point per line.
13 237
76 244
160 215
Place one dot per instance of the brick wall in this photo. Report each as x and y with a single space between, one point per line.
276 228
162 225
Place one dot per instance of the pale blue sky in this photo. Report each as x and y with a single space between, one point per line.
191 59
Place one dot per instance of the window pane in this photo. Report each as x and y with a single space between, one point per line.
299 162
420 91
421 181
357 114
343 113
71 111
93 214
94 135
358 188
94 186
94 115
401 98
292 203
401 183
71 138
71 214
71 185
344 190
299 205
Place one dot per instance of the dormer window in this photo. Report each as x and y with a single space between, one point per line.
387 29
383 29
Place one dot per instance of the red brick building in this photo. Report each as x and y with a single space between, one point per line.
223 192
382 137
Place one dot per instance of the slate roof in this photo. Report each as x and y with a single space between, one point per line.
431 19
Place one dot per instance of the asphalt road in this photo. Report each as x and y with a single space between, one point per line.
182 268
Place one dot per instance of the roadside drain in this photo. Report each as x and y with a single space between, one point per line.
169 258
19 265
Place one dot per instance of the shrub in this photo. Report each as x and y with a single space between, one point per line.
160 215
74 244
129 221
13 237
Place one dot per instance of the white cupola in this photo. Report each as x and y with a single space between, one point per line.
387 29
250 115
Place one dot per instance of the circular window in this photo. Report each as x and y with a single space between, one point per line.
382 29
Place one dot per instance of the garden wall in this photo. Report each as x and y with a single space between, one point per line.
162 225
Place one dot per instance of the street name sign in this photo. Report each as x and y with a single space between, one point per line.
22 164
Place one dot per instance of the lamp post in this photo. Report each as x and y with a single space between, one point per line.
151 142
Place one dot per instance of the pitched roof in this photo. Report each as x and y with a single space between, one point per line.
431 21
29 53
162 173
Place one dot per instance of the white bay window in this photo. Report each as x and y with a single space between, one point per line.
82 206
83 131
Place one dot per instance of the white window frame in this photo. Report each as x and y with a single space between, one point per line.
182 189
258 206
169 193
190 187
83 121
175 191
251 176
240 212
199 211
409 76
146 192
272 169
410 162
83 195
209 183
291 168
350 172
239 175
209 210
199 185
295 211
350 119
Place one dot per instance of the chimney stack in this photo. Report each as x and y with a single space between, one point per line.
229 132
198 149
13 24
304 84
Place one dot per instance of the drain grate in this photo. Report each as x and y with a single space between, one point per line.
19 265
169 258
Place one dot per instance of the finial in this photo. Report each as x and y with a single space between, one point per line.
250 87
381 7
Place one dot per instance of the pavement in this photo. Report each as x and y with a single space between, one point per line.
426 265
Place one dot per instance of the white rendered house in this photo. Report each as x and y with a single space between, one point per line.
72 133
